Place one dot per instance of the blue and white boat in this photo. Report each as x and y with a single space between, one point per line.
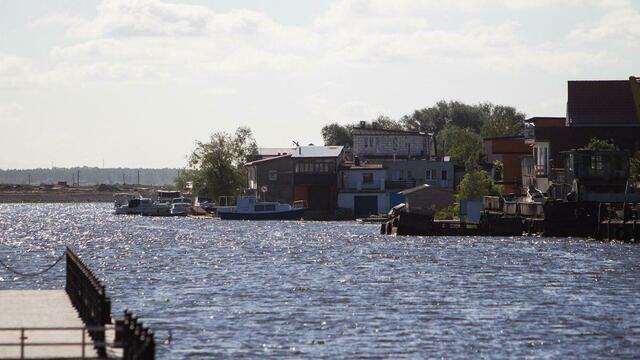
249 208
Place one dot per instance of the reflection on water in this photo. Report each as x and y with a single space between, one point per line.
327 290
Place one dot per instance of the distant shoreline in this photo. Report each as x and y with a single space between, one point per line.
17 194
53 198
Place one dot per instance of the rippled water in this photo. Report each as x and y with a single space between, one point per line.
331 290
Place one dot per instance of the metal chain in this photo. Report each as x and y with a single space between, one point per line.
17 272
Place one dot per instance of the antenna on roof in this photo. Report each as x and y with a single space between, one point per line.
297 144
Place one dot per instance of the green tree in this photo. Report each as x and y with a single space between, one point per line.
463 145
502 121
216 167
600 144
337 135
475 184
386 123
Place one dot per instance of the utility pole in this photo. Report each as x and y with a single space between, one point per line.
29 177
123 182
138 176
78 178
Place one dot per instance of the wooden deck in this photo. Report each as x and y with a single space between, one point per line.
42 309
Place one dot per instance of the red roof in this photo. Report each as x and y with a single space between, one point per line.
601 103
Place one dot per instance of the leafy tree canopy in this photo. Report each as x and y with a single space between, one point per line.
475 184
216 167
336 134
463 145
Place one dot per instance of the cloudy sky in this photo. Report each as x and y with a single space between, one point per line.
136 82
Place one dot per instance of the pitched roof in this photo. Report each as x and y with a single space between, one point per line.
317 151
267 159
601 102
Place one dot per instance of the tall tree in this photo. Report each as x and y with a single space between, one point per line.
463 145
502 121
386 123
336 134
216 167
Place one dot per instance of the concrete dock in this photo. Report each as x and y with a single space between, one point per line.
42 309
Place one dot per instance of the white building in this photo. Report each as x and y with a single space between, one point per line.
391 144
362 189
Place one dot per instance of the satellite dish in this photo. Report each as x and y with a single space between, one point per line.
264 188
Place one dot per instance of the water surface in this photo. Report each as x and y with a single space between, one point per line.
336 290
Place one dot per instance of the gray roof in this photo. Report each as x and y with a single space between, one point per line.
266 151
317 151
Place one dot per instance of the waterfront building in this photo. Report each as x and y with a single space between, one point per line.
306 173
362 189
509 150
608 110
272 178
369 144
315 176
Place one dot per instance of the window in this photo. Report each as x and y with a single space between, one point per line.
366 141
427 174
371 141
409 175
444 175
273 175
367 178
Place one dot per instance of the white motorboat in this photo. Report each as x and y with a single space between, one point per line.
136 206
249 208
180 207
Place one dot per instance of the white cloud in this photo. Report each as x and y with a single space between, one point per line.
621 25
151 40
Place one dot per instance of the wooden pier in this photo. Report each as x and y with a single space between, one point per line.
42 317
74 323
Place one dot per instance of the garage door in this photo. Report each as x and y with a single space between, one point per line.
364 206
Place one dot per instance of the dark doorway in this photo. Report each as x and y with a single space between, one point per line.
363 206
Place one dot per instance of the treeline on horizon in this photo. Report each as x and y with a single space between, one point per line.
457 128
90 175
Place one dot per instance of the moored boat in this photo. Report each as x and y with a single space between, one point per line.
249 208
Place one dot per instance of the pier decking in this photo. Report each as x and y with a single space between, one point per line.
74 323
35 310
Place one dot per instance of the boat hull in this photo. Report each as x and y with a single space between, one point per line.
279 215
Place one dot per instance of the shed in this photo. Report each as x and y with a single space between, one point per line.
425 199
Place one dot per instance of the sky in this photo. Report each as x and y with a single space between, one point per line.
135 83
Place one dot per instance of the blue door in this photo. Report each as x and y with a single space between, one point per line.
363 206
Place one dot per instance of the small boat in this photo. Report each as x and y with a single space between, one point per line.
249 208
156 209
205 203
180 207
136 206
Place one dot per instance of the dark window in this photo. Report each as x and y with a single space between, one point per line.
444 175
367 178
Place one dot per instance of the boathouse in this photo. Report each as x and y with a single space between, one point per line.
315 177
362 189
272 178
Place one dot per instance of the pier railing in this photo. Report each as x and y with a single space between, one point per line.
82 344
88 296
135 339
